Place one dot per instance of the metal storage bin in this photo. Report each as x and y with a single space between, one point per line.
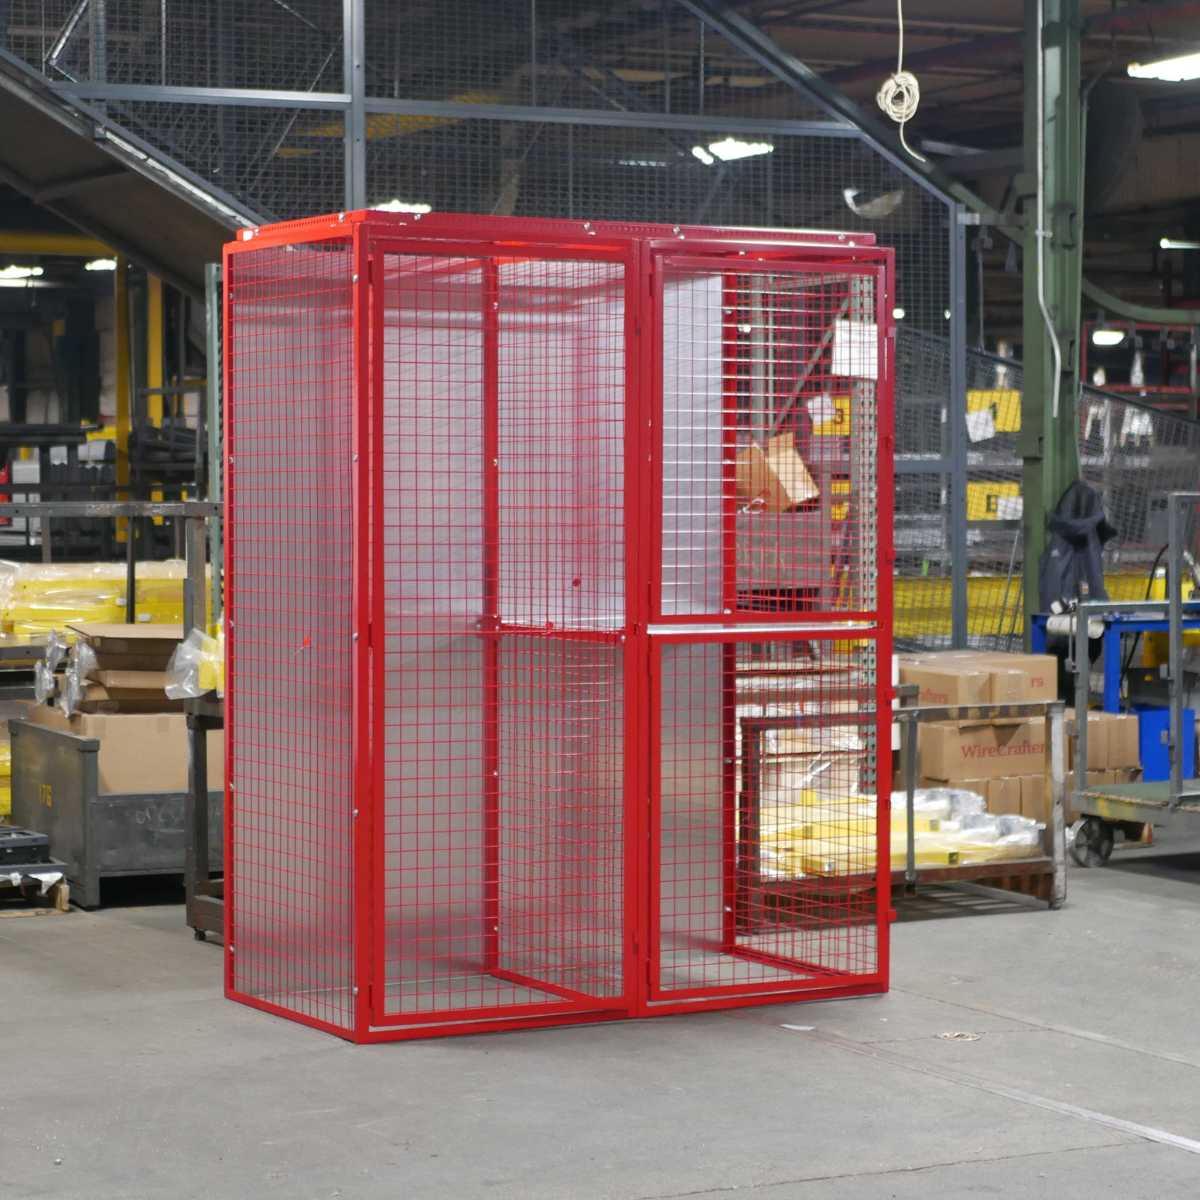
98 835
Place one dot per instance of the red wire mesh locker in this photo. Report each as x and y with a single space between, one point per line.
559 620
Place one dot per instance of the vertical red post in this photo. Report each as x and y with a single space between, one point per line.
490 618
641 552
227 441
367 494
734 847
731 369
884 517
731 375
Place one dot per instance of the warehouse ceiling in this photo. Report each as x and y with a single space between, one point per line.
1143 137
644 57
59 159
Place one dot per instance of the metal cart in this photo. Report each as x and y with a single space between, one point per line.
1044 875
1174 802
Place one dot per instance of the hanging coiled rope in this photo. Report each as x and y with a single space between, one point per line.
900 92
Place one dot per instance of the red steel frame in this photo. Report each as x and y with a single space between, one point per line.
642 251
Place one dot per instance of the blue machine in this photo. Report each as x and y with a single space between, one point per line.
1154 725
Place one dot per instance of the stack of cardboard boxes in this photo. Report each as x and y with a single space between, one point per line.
123 703
1112 749
126 671
1003 760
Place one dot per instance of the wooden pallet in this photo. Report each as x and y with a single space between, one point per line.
26 900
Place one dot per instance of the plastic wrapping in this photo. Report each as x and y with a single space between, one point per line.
66 690
82 660
197 666
36 598
822 836
56 649
44 682
943 802
70 691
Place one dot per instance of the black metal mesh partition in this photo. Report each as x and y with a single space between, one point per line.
551 108
276 160
1133 455
284 44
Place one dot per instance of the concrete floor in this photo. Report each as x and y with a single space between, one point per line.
128 1077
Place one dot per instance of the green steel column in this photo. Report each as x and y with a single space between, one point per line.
1049 441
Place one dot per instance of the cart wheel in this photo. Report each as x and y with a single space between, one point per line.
1092 845
198 934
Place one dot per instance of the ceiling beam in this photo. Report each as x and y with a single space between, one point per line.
76 183
1136 18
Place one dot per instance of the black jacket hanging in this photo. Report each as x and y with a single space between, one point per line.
1078 531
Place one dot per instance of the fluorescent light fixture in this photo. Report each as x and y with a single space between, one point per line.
24 283
730 149
1177 244
1107 337
898 313
101 264
406 206
1174 70
644 162
15 272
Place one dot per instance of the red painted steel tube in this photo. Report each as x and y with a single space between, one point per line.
737 936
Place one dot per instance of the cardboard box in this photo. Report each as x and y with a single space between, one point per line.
138 753
945 683
979 677
130 647
1033 797
1039 671
1123 749
1098 724
1004 795
978 786
96 699
133 685
996 751
1006 685
775 475
999 795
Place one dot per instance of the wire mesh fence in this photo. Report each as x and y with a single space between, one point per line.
577 86
270 44
277 160
621 63
1132 454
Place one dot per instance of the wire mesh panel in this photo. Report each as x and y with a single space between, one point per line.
522 797
770 440
290 697
503 554
1133 455
768 815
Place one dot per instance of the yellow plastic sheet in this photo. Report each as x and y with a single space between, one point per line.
36 598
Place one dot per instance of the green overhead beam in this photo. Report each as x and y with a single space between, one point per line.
1139 312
